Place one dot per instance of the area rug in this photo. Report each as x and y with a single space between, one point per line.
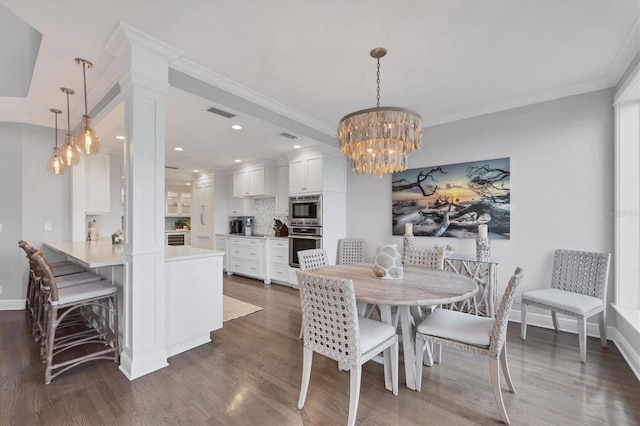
234 308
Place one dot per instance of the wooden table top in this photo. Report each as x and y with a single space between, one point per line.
418 286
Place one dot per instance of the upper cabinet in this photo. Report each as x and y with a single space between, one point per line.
282 190
238 206
178 203
254 180
317 169
97 184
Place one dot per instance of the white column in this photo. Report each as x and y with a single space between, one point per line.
144 83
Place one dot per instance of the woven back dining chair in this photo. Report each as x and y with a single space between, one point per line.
312 259
351 250
578 288
472 333
332 328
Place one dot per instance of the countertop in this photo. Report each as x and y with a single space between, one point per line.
266 236
95 254
176 231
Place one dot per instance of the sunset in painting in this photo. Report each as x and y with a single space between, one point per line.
452 200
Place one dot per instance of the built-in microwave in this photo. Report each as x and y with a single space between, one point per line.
305 210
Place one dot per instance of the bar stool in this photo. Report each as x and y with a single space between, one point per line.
100 330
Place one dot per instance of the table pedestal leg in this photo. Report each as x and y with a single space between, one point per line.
408 347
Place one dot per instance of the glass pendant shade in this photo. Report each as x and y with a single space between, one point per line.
87 138
56 163
378 140
70 152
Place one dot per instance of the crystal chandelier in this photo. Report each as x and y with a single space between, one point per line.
378 140
86 137
70 151
56 163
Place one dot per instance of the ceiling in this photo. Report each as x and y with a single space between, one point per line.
448 60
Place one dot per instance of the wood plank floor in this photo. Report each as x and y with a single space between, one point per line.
250 375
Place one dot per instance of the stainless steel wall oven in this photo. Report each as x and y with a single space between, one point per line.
303 238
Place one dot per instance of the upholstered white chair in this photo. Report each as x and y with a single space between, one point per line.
332 328
578 288
475 334
97 303
351 250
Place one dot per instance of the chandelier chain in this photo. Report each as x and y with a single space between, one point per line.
378 85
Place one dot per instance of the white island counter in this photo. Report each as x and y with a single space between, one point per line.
193 288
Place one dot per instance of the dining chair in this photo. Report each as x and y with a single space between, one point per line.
333 328
578 288
97 302
351 250
311 260
471 333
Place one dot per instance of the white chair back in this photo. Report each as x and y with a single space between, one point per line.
430 258
581 272
499 332
312 259
351 251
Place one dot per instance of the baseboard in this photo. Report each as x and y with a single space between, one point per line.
12 305
629 353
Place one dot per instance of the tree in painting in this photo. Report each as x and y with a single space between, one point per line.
452 200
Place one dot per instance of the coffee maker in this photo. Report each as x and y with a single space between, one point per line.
236 227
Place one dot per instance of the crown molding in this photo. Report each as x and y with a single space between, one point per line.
201 73
125 35
627 51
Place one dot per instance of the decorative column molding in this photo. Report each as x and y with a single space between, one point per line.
144 68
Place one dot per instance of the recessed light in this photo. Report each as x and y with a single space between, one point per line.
236 127
188 183
238 161
120 137
195 170
297 146
177 148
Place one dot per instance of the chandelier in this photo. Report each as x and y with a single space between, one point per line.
378 140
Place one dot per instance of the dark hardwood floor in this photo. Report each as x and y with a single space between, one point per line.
250 375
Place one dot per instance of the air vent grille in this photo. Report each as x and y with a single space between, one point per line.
221 112
171 167
288 135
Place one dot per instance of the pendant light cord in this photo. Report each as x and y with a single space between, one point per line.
84 77
68 118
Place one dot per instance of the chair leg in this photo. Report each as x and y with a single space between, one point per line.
50 336
582 339
428 360
554 318
495 383
420 344
505 368
437 353
354 393
301 332
603 328
307 359
393 349
523 320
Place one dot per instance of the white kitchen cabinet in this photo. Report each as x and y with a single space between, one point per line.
202 214
247 257
255 180
97 184
239 206
315 170
221 245
178 203
279 269
282 190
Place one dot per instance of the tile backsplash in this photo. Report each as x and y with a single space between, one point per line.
265 214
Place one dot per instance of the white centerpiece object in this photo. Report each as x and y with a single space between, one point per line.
387 262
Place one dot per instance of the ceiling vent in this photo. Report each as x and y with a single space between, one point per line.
171 167
221 112
288 135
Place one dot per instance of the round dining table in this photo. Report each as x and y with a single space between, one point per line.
417 287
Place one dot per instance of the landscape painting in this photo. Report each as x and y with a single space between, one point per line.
452 200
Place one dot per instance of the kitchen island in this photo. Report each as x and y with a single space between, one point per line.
192 289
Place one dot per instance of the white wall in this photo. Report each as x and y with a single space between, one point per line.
34 197
561 182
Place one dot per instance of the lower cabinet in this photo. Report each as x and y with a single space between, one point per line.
221 245
247 257
279 269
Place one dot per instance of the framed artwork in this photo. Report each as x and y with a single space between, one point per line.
453 200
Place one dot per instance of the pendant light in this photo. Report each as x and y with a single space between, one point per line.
56 163
378 140
86 139
69 150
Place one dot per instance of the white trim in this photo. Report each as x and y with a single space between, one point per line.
625 55
12 305
627 85
629 353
